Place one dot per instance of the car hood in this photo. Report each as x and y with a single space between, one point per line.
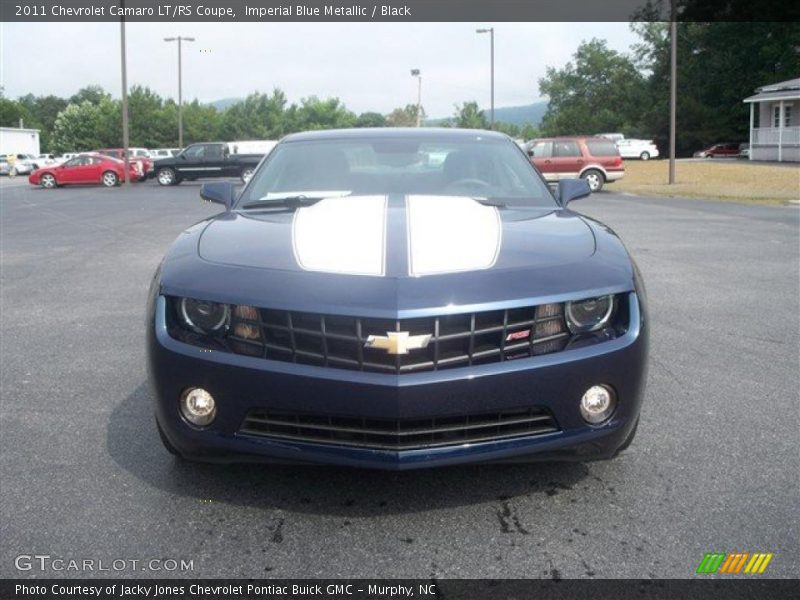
370 254
415 236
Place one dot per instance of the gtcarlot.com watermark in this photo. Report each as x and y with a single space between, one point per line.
47 563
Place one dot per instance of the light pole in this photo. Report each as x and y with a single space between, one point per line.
673 89
490 31
125 136
416 73
180 90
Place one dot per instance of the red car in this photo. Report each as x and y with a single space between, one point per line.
594 159
726 149
83 169
144 165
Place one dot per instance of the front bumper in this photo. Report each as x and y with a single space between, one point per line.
554 382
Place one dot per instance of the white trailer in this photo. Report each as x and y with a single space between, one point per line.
14 140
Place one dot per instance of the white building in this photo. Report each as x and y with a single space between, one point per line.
14 140
775 122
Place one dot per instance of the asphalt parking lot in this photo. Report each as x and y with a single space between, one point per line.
83 475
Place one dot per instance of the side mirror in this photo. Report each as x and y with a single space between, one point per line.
572 189
530 153
219 192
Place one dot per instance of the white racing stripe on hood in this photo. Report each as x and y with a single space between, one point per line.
342 235
447 234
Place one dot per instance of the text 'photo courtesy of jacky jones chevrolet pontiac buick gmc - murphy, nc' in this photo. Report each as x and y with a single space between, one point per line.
397 299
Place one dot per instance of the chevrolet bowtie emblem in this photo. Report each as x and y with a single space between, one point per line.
398 342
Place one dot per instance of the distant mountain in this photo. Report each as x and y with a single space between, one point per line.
520 115
225 103
514 115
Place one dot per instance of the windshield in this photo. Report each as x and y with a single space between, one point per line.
493 169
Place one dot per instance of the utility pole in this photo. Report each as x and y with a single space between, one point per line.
180 39
673 88
125 132
416 73
490 31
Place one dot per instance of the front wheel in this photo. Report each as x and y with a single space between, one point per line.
110 179
47 181
595 179
247 173
166 176
645 156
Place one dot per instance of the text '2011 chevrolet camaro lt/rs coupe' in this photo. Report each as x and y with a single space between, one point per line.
396 299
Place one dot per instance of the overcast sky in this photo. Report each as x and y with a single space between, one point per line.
364 64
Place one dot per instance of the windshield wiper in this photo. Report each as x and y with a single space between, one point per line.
290 202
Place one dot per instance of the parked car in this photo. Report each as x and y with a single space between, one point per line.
633 148
87 168
164 153
614 137
18 164
728 149
209 159
46 159
744 150
261 147
595 159
358 304
143 164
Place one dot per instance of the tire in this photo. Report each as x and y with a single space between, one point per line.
645 156
594 178
109 179
246 174
48 182
167 444
166 176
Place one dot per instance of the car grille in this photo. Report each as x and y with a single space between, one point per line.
389 434
456 340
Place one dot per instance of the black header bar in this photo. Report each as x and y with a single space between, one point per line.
226 11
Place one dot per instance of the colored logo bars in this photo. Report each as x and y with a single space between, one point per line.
734 563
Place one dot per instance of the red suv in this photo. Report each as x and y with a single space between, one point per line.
594 159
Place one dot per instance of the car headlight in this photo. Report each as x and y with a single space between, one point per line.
590 314
203 316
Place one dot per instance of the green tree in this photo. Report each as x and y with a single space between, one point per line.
719 64
43 111
404 117
601 90
91 93
469 116
314 113
259 116
370 119
87 126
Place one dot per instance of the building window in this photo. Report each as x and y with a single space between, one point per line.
787 115
776 115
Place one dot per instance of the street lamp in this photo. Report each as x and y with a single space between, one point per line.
125 130
416 73
490 31
180 91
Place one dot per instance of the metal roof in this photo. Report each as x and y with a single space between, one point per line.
783 90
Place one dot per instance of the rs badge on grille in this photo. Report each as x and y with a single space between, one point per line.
398 342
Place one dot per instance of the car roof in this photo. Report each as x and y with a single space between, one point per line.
395 133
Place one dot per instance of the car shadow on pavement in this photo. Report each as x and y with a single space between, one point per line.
134 445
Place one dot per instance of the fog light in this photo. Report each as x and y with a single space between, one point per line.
597 404
198 406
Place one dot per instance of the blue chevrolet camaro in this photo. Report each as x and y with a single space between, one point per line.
396 299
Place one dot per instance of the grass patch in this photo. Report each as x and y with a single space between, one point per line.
738 182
